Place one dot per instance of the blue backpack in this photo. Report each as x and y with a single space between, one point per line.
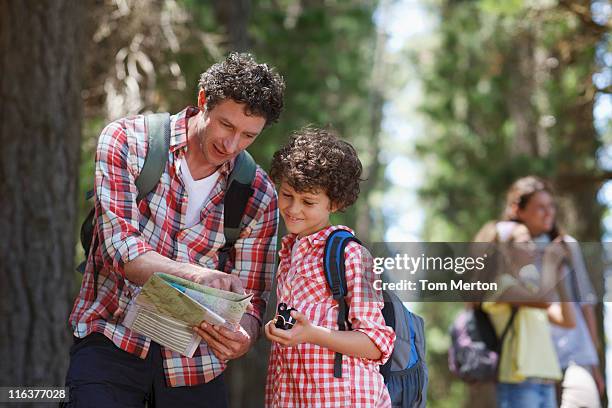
405 372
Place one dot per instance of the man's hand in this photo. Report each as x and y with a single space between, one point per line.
140 270
301 332
211 277
226 344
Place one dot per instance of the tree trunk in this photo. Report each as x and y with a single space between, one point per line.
234 16
246 376
372 174
40 123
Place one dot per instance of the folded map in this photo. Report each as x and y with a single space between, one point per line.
168 307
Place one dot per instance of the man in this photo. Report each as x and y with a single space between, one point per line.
176 229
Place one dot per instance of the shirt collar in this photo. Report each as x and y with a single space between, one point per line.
315 239
178 126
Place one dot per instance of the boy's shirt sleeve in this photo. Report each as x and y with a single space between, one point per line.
117 165
365 303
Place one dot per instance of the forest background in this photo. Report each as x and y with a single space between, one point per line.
444 120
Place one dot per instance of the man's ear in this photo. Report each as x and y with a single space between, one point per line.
201 99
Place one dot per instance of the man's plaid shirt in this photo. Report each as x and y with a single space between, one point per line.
125 230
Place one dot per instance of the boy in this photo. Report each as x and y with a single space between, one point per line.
318 174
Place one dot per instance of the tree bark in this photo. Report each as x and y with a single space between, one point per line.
40 124
372 173
234 16
246 376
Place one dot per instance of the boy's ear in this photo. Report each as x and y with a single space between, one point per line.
333 207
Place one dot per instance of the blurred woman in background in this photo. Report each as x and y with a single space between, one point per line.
530 201
522 312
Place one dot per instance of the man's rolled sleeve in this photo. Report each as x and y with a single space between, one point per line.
256 254
117 164
366 303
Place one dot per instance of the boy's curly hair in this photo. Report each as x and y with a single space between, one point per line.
241 78
316 159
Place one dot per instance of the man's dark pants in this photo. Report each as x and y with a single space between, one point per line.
102 375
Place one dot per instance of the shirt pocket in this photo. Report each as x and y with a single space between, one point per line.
310 287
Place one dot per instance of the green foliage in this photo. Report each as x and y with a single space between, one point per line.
324 52
505 94
326 60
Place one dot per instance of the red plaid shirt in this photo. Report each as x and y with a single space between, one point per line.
126 230
303 375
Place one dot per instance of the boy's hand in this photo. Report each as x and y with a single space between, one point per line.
301 332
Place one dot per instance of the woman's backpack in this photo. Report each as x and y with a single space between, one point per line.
405 372
475 350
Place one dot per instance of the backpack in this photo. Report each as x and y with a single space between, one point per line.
405 372
237 193
475 350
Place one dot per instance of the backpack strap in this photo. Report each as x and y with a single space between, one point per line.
158 137
388 312
507 328
158 126
335 273
237 194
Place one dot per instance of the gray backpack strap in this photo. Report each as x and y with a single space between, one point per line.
237 194
158 127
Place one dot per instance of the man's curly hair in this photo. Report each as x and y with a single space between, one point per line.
241 78
316 159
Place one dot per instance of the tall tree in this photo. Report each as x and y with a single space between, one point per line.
40 125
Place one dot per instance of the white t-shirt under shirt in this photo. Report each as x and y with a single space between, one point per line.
197 193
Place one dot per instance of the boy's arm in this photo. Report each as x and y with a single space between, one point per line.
350 343
562 313
365 303
369 338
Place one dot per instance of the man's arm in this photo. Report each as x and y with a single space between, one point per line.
140 269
